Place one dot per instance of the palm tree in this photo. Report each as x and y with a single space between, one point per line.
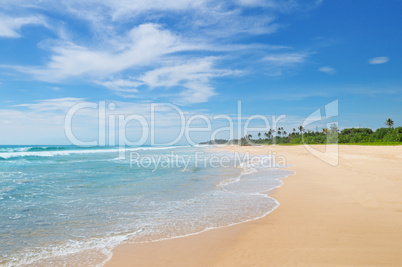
273 136
334 128
284 133
301 129
259 135
325 130
389 123
247 138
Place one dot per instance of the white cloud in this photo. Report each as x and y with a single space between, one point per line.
128 7
278 64
105 16
144 45
124 88
193 77
43 122
327 69
197 92
220 23
378 60
58 104
178 58
200 70
282 5
9 26
286 59
257 3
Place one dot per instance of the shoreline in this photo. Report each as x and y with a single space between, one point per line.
344 218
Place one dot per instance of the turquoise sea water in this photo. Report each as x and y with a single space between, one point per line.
69 205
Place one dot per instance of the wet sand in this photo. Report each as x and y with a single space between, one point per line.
349 214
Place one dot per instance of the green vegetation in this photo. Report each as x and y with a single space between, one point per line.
356 136
374 144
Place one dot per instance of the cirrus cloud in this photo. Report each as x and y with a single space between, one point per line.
378 60
327 70
132 47
10 26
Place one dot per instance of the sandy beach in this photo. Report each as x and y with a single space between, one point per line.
349 214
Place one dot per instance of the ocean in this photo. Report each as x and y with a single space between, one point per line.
73 205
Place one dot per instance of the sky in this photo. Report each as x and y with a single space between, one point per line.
277 57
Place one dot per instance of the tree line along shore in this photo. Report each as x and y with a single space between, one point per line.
332 135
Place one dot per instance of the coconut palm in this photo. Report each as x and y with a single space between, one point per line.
334 128
282 131
301 129
259 135
389 123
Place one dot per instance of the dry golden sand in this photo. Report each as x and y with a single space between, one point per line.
350 214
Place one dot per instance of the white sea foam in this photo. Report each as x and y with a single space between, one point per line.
15 149
249 167
8 155
184 216
51 255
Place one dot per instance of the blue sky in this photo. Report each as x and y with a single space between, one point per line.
277 57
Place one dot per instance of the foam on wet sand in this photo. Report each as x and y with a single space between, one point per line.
350 214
